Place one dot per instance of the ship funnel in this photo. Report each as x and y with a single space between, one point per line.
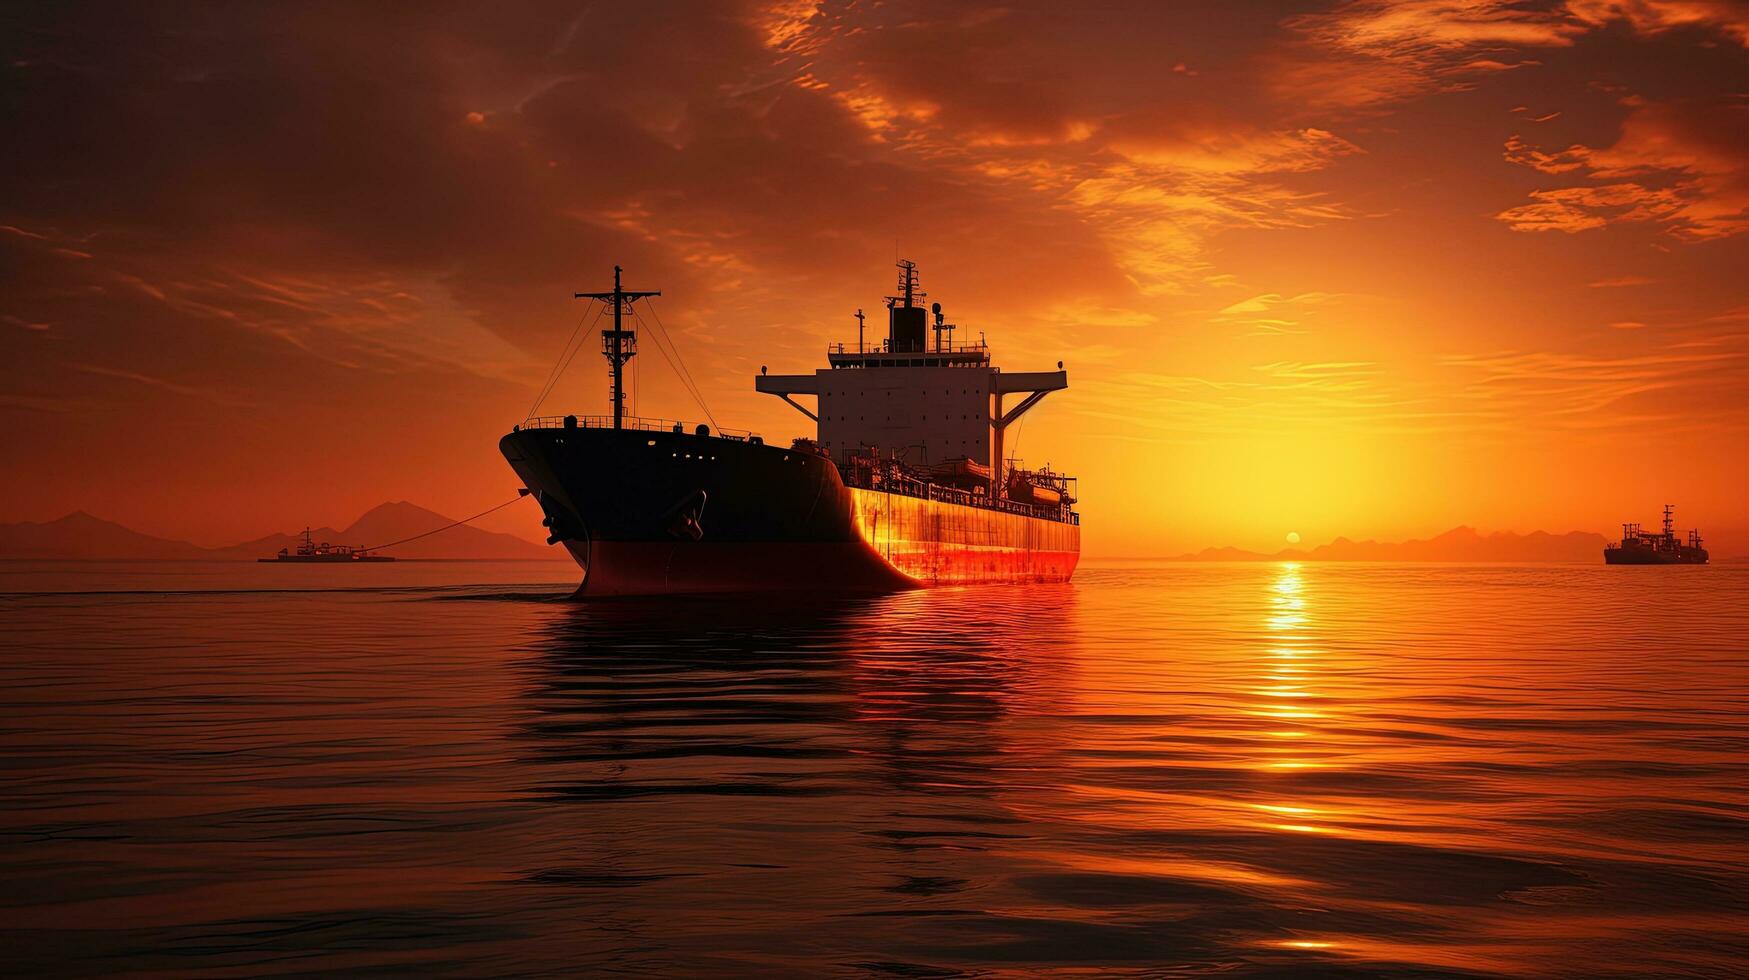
908 326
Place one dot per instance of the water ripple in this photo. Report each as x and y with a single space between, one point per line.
1167 770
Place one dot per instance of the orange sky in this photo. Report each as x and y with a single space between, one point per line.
1371 268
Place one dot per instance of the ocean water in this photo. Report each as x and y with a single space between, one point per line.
1160 769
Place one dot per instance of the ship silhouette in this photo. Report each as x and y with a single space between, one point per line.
904 482
310 551
1639 547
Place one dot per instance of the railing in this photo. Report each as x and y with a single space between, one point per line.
863 478
880 350
628 422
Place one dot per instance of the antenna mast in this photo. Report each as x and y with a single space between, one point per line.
907 323
619 345
908 283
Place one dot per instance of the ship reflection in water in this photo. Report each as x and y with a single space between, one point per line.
1239 769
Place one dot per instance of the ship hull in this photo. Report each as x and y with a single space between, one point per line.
655 513
1622 556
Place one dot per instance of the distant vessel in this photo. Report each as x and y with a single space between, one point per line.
904 482
310 551
1639 547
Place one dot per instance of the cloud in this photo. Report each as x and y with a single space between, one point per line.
1683 166
1545 117
1272 314
146 379
1676 384
1369 52
1264 400
1428 29
1223 146
1155 158
24 324
1576 209
1572 158
1727 17
1327 375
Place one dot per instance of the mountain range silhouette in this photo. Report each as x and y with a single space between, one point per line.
1457 545
83 536
1461 543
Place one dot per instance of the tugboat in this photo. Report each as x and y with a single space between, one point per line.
1639 547
903 483
310 551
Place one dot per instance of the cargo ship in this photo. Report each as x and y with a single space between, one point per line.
310 551
904 482
1639 547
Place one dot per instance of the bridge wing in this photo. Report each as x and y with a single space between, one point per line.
787 384
1006 382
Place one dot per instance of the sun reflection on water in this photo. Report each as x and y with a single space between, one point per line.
1290 667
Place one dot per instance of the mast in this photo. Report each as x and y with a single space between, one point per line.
1669 522
619 345
907 328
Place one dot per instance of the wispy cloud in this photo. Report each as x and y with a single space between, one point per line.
1272 313
1672 384
1678 165
164 384
1369 52
35 326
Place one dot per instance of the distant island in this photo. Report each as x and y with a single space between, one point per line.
81 536
1457 544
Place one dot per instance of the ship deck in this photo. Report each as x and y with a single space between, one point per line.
908 486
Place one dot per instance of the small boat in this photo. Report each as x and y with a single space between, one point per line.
310 551
1040 487
964 473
